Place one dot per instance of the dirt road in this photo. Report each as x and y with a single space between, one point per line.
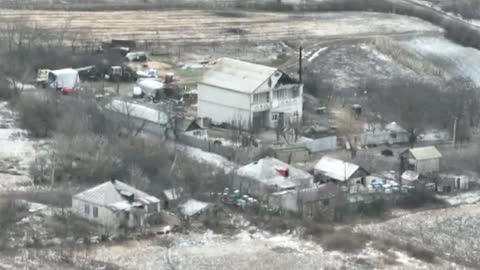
205 26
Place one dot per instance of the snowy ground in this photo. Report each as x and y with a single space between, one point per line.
207 158
16 152
256 250
451 233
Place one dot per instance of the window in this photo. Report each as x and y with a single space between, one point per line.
261 98
295 114
95 212
275 117
87 209
280 94
326 202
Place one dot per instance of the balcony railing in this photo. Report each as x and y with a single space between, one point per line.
260 107
286 102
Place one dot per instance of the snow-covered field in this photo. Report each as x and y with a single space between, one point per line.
455 59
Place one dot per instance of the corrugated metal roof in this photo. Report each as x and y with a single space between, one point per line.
138 110
109 194
265 170
422 153
335 168
237 75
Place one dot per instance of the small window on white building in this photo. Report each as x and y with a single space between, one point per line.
295 113
255 98
95 212
280 94
261 98
87 209
274 116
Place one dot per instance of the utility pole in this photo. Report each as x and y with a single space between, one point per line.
454 130
300 65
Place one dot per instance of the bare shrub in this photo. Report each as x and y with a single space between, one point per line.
418 199
345 240
50 197
376 208
467 8
420 253
390 47
10 212
37 114
6 93
461 159
317 229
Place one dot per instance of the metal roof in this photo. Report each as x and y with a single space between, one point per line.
423 153
335 168
265 171
192 207
109 194
141 111
150 83
237 75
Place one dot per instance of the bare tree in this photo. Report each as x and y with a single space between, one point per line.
349 128
415 105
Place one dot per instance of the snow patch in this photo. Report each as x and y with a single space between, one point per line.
211 159
316 54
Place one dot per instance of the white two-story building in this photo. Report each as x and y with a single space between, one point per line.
249 95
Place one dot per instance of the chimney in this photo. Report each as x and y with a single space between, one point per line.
112 180
283 171
300 68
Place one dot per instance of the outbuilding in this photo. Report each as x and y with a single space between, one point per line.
330 169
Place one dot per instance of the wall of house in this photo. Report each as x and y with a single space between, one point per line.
252 187
321 144
284 200
291 106
223 106
427 166
382 137
111 220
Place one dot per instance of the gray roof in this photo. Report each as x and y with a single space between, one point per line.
265 170
237 75
113 194
423 153
335 168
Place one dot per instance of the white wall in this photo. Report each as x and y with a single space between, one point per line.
223 106
223 96
428 166
105 217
